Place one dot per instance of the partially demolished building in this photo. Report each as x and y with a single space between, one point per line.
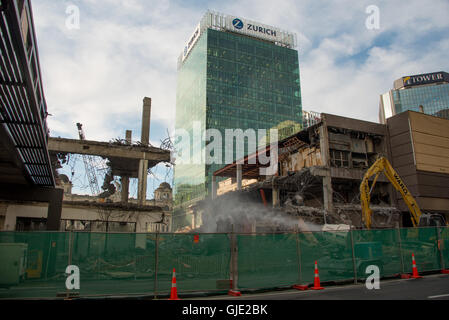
109 211
319 173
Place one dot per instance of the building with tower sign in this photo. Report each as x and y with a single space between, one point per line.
427 93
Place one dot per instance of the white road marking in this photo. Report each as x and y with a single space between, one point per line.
441 295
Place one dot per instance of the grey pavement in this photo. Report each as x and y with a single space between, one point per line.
430 287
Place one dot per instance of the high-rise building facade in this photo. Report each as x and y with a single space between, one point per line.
427 93
233 74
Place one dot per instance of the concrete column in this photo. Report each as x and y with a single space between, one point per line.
275 196
145 139
239 177
125 179
142 182
128 138
327 194
253 226
325 158
146 118
214 187
125 189
54 209
193 219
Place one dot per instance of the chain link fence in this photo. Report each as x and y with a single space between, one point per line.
33 264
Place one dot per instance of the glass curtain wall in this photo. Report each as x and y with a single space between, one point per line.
433 98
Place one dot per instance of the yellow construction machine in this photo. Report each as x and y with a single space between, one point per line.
383 165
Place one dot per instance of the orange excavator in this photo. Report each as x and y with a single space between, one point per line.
419 219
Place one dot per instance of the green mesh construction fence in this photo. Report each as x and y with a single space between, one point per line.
377 247
423 243
118 264
267 260
41 267
444 247
33 264
200 260
333 253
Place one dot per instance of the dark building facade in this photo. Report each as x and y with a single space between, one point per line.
419 152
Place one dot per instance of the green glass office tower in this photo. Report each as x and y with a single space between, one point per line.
233 74
427 93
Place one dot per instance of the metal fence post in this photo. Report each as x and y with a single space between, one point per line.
47 260
298 254
400 248
156 262
230 260
70 247
354 262
439 248
135 256
234 260
69 257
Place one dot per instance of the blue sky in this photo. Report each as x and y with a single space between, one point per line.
125 50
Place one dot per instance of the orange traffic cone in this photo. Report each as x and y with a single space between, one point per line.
174 290
316 282
415 269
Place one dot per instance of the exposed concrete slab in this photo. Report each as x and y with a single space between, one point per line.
343 173
106 149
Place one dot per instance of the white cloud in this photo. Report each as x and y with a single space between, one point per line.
103 70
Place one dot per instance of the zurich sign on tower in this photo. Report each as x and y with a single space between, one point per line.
237 23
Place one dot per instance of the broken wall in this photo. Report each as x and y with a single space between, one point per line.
230 184
303 158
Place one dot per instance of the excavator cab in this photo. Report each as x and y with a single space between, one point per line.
431 220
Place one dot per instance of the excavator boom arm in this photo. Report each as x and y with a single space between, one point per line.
382 165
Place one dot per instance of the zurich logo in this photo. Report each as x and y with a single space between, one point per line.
237 23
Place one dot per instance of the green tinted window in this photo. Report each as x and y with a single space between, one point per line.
230 81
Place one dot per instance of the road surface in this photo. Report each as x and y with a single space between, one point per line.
430 287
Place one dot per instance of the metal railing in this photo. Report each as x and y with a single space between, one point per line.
23 109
